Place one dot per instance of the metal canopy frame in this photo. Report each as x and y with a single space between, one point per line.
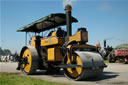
49 22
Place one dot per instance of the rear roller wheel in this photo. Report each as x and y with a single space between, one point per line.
29 58
80 73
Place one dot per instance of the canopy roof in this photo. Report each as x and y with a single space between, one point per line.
46 23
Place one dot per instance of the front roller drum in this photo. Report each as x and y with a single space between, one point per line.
91 66
30 59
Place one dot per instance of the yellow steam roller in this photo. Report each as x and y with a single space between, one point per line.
59 49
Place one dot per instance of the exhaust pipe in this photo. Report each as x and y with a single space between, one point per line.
68 9
104 43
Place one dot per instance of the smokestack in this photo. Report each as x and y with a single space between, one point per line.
104 43
68 10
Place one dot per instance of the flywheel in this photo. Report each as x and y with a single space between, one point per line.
91 64
29 59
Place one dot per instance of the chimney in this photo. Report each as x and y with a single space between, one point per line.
104 43
68 9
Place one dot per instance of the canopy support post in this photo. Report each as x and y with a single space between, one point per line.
35 34
26 38
42 34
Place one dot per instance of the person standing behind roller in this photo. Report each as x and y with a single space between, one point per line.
98 46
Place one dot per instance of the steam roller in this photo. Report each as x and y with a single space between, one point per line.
59 49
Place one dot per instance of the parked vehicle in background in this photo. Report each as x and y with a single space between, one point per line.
106 51
120 53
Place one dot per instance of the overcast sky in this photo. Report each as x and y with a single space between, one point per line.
104 19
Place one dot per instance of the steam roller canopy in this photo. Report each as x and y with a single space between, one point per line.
91 64
29 58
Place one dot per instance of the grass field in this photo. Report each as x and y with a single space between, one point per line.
16 79
106 61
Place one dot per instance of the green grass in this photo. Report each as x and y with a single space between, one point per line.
106 61
16 79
